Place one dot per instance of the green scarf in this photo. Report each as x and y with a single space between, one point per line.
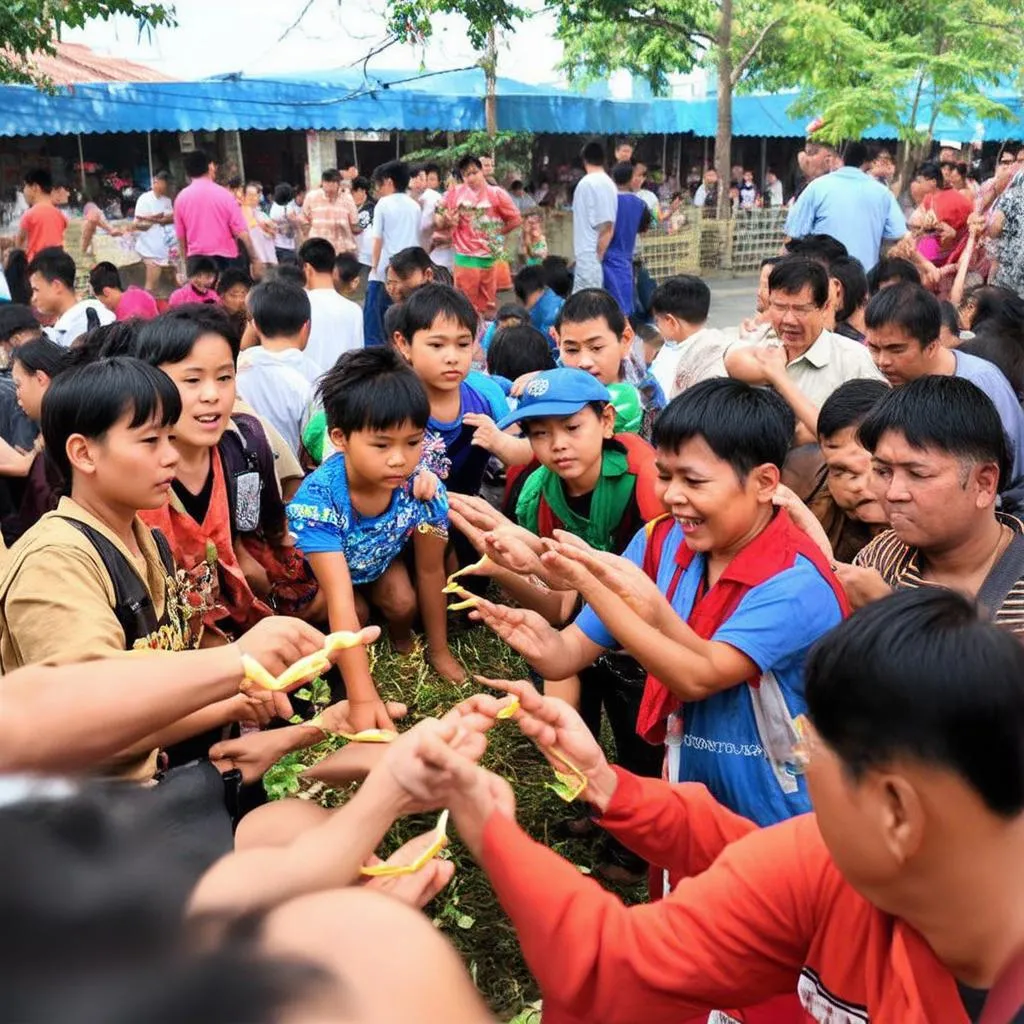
608 504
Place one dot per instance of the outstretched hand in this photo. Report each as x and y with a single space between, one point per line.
420 887
525 631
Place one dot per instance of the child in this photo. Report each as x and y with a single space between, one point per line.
536 295
534 245
355 515
346 274
275 377
336 323
557 275
652 342
124 303
225 519
692 351
52 277
42 226
741 595
516 351
233 289
510 315
202 277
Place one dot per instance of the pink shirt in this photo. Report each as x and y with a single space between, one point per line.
136 302
480 219
188 294
209 218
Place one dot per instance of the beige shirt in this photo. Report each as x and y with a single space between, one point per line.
701 357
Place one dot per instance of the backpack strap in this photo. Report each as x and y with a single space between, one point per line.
133 607
247 450
1002 576
163 548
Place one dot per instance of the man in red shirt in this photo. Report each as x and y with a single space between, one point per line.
42 226
899 900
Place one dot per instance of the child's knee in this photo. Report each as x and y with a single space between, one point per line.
399 605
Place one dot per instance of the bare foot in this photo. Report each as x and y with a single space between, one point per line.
444 663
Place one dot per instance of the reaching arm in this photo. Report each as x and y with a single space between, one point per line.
604 238
430 581
378 246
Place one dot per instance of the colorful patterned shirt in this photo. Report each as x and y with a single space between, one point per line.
480 220
333 220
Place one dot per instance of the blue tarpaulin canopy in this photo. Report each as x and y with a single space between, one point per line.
400 101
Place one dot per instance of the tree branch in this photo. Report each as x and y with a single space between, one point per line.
741 66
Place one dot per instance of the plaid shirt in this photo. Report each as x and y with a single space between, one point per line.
332 220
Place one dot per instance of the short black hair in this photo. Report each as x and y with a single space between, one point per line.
372 389
431 301
794 273
279 309
318 253
54 264
431 168
397 171
947 413
103 276
950 317
849 272
892 269
466 162
592 154
347 267
529 280
361 182
41 355
89 400
197 163
114 339
346 163
557 274
15 318
170 337
41 178
230 277
855 154
393 317
512 311
908 306
286 272
848 405
410 259
200 265
518 350
743 425
330 174
924 675
819 247
683 296
931 171
622 173
592 304
283 193
770 261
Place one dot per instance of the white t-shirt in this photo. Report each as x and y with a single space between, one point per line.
594 203
284 238
335 326
279 386
75 322
364 240
443 256
152 243
396 220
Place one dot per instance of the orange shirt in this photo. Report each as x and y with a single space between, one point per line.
758 913
44 226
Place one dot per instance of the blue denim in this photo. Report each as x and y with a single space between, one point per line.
375 305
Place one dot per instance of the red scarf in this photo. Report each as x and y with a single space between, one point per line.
772 551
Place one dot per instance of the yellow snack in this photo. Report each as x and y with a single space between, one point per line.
509 710
450 587
370 736
391 870
257 674
459 606
303 670
341 641
567 786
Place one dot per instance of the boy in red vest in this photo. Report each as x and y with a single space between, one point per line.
736 596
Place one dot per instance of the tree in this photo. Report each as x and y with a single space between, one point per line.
29 27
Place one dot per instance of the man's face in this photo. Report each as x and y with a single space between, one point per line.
797 319
931 499
898 356
159 187
487 166
331 189
474 177
400 288
592 346
47 296
849 477
623 153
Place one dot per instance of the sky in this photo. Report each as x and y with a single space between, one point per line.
221 36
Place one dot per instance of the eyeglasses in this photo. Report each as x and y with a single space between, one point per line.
797 311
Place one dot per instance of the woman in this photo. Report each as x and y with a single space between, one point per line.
1007 225
286 218
631 218
93 221
262 231
959 180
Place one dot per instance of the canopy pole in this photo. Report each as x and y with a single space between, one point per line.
81 165
664 156
398 145
149 152
355 151
764 161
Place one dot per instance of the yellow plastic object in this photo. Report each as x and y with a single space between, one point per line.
567 786
341 641
256 673
508 710
303 670
391 870
450 586
459 606
370 736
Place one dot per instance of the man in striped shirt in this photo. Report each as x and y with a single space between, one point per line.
939 458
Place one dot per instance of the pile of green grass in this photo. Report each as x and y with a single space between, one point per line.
467 911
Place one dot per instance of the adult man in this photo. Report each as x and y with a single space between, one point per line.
594 205
348 171
331 213
154 214
816 159
208 219
623 151
813 361
942 212
903 324
851 206
42 225
51 275
707 193
940 457
335 323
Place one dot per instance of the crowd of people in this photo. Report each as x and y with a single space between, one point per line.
782 560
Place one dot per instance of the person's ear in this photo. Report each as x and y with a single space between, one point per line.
627 339
608 421
428 275
987 476
764 480
403 345
337 439
81 454
901 816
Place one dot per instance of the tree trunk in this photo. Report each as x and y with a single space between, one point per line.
490 63
723 131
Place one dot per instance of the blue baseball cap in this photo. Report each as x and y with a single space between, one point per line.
560 392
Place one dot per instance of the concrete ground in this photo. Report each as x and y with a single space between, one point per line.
732 300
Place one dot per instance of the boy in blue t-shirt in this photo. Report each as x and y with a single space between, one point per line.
543 304
730 600
354 515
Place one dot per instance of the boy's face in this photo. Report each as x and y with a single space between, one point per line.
382 459
719 512
29 389
433 181
668 326
206 383
203 282
233 300
400 288
441 355
129 467
849 477
897 355
593 346
47 296
359 196
109 299
571 446
30 192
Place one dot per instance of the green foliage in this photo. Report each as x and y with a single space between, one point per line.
411 20
510 149
283 778
34 26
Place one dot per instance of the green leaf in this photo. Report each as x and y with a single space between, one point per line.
465 922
